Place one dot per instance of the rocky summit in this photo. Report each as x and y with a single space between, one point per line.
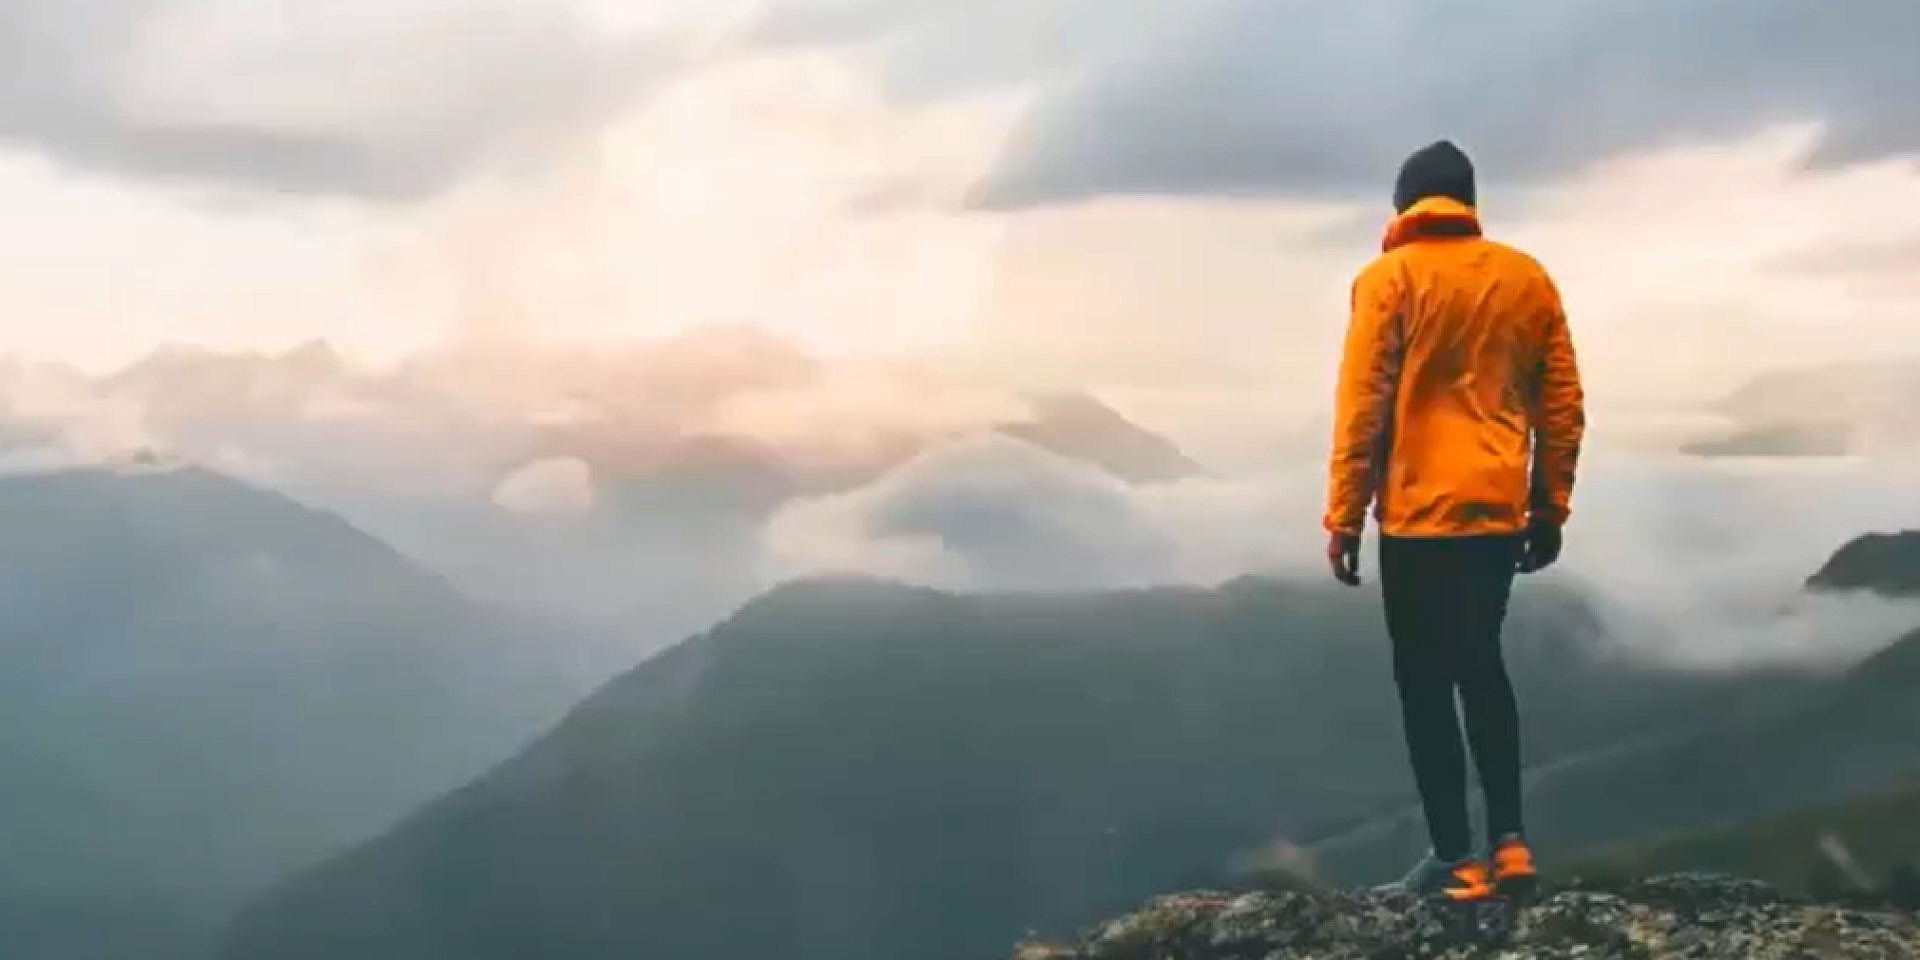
1684 916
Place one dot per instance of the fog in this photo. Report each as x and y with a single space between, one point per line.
608 316
635 495
1697 562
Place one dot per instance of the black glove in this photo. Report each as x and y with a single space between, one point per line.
1343 555
1542 547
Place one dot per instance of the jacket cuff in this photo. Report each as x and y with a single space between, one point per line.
1354 528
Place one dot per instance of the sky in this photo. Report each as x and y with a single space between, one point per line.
1162 201
1165 198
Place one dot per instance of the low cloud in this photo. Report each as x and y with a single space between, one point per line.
625 487
556 485
982 514
1695 564
647 493
52 419
1703 562
998 514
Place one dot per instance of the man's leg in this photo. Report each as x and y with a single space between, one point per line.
1414 584
1486 692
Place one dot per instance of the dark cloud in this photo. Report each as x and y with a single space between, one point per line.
1271 97
93 84
1218 97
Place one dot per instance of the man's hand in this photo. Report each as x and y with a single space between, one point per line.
1343 554
1542 547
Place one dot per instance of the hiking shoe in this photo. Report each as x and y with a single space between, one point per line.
1514 874
1463 880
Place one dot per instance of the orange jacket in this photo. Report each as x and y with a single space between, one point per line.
1459 408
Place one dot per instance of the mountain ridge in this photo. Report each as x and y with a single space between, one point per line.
866 766
1813 737
1885 564
204 685
1864 848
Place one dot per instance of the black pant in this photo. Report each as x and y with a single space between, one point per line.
1446 599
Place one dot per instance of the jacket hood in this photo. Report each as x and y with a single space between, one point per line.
1432 218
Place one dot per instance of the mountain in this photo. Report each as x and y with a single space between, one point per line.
718 472
856 770
1862 846
1079 427
738 419
1835 739
1879 391
1885 564
1816 439
1702 917
1819 741
549 478
184 382
641 570
660 536
204 685
1818 410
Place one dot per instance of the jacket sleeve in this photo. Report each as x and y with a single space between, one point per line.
1363 402
1560 418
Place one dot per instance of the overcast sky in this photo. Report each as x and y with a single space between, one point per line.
1163 196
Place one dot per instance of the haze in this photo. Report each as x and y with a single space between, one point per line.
386 384
499 215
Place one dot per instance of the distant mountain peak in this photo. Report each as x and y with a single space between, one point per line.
215 684
1819 410
1077 425
1887 564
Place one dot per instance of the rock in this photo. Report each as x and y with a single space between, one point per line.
1680 917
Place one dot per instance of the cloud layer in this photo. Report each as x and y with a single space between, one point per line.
646 484
403 98
1694 564
375 98
1260 97
643 494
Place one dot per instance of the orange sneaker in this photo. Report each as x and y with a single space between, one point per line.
1469 882
1463 880
1514 874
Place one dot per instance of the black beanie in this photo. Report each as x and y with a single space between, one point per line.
1438 169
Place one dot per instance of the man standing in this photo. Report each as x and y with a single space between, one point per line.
1458 418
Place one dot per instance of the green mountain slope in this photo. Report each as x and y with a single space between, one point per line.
1887 564
1866 845
861 771
1769 753
1863 730
204 686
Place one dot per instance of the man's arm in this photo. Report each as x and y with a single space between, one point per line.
1363 400
1560 423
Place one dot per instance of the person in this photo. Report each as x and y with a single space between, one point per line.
1458 418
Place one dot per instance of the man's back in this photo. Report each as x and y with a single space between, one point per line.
1458 355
